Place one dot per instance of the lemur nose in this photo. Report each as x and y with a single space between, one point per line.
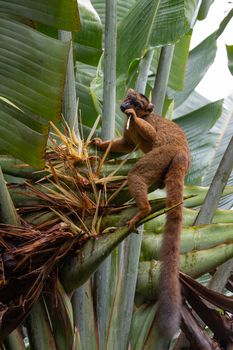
123 107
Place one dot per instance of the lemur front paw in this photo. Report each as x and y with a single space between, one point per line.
131 113
97 142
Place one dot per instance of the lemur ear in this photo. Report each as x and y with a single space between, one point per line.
130 91
150 107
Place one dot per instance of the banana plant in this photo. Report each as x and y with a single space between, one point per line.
33 71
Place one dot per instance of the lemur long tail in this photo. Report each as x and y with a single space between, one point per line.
168 315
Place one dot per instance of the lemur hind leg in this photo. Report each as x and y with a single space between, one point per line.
149 170
137 185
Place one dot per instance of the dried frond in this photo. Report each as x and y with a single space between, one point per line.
75 185
27 258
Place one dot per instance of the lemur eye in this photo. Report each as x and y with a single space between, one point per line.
138 104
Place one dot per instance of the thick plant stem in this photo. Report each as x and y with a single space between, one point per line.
69 107
8 215
84 316
38 327
103 285
125 291
206 213
217 186
109 97
161 81
144 68
14 341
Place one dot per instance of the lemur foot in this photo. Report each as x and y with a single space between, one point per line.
132 225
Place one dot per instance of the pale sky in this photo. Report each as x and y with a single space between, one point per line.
218 81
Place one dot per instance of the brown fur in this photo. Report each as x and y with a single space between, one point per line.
166 160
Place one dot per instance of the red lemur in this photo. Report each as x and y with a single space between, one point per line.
165 161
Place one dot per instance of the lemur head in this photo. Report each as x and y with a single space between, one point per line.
138 102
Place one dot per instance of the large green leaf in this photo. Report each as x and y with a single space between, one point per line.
88 42
204 9
32 69
32 73
141 324
62 14
137 40
230 57
156 30
178 66
19 134
200 120
179 62
122 8
193 102
200 59
166 21
223 131
196 126
224 23
173 20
